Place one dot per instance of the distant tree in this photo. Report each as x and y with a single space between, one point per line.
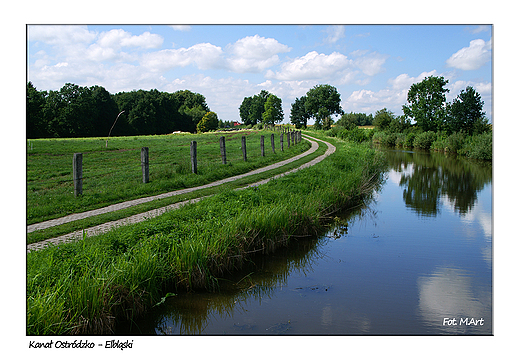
323 101
383 118
466 111
352 120
105 110
192 105
35 103
245 110
427 103
208 122
299 115
273 112
348 121
70 112
252 108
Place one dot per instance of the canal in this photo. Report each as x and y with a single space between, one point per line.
416 259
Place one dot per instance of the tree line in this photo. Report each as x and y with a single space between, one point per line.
77 111
426 109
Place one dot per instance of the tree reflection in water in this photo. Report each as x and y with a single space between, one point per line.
435 175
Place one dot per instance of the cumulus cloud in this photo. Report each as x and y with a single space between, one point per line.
118 38
204 55
473 57
311 66
255 54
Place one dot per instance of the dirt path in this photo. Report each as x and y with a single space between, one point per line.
152 213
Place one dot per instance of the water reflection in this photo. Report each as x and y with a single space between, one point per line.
378 270
192 313
434 176
449 293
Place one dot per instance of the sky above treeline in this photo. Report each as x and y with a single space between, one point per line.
372 66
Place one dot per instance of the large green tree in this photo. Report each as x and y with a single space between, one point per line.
323 101
252 108
466 112
299 116
426 103
273 112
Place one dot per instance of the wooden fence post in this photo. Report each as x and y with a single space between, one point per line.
281 142
77 173
244 152
145 166
223 149
262 151
193 155
288 140
272 142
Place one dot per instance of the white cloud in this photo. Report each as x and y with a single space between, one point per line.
257 47
255 54
404 81
60 35
473 57
312 66
334 33
118 38
371 64
204 55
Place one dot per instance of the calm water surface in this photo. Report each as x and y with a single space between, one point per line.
417 259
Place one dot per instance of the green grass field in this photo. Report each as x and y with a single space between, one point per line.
113 174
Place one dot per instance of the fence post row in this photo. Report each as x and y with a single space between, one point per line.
145 165
244 148
77 162
223 149
77 173
193 155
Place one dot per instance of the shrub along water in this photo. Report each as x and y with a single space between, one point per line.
86 286
477 146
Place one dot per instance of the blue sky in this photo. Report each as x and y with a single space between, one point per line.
372 66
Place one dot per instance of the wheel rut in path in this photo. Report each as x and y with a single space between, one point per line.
99 229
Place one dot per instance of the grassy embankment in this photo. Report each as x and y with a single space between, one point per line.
113 175
84 287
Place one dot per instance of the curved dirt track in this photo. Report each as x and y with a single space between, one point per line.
152 213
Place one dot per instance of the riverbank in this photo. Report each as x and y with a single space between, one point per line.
478 146
87 286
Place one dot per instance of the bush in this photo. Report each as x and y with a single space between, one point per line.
409 139
355 135
400 140
424 140
389 139
334 131
479 147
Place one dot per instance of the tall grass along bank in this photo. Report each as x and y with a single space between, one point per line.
85 287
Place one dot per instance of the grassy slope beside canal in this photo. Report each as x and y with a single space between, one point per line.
84 287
